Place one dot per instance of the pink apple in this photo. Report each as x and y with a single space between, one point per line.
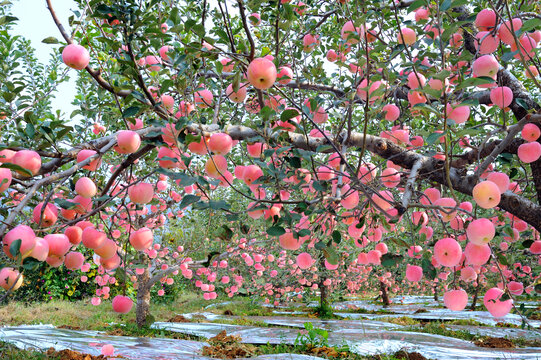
455 300
85 154
92 238
447 252
141 193
49 216
203 98
239 96
529 152
76 56
500 179
10 279
506 30
486 65
481 231
477 255
262 73
5 179
285 76
74 234
74 260
414 273
6 156
128 141
392 112
85 187
494 305
29 160
487 194
220 143
407 36
215 166
459 114
501 96
530 132
141 239
485 20
304 260
59 244
288 242
22 232
486 43
122 304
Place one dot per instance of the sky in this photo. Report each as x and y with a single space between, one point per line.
35 24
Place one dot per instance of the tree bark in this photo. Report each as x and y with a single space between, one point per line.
436 292
475 297
142 309
384 295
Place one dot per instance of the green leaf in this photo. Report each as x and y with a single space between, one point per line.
17 168
527 243
131 111
7 19
175 16
30 263
336 236
531 24
416 5
50 40
432 138
294 161
188 200
389 260
276 230
320 245
331 256
304 232
15 247
481 80
522 103
445 5
219 205
502 259
457 3
65 204
428 269
30 130
289 114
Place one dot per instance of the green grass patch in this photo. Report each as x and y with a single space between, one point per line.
402 320
134 331
438 328
10 352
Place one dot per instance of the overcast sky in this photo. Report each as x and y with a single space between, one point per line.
35 24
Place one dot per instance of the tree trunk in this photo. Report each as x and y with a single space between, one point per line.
142 309
475 297
436 292
384 295
323 294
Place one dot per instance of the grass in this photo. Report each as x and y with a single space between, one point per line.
437 328
402 320
365 311
134 331
242 321
80 314
465 322
83 315
10 352
270 349
242 307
